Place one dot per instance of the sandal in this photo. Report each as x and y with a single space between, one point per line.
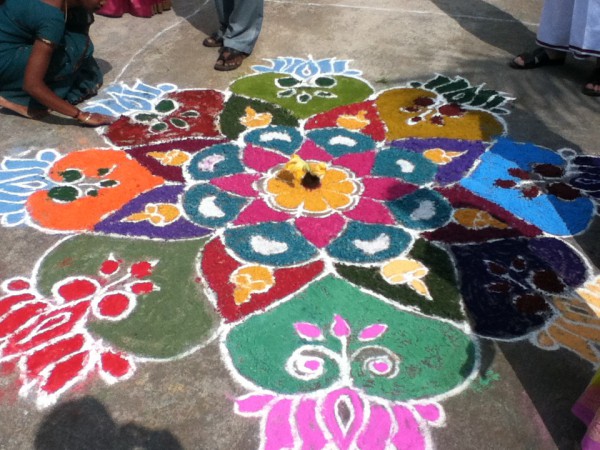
594 79
536 58
230 59
214 40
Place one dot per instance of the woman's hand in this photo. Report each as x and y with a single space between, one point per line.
88 119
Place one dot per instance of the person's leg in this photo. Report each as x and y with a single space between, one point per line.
244 25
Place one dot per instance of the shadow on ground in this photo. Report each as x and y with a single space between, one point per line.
86 424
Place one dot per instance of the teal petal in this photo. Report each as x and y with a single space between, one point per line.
422 210
210 207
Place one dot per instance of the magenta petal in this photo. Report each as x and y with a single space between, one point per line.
372 332
370 211
340 327
359 163
382 188
409 435
430 412
343 436
260 159
309 429
378 431
278 429
308 330
321 231
253 403
258 212
311 152
240 184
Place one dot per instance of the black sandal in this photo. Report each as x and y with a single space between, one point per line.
229 59
594 79
213 41
536 58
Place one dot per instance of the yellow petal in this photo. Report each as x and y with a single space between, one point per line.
544 340
169 212
400 271
250 280
335 199
477 219
314 202
174 157
136 217
573 342
252 119
421 288
354 123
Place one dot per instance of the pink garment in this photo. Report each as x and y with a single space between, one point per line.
139 8
587 408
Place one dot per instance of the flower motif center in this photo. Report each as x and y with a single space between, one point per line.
314 189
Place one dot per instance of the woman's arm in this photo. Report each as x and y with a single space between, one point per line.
34 85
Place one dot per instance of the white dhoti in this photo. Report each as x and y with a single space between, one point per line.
572 26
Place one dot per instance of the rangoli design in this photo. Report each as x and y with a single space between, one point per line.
347 248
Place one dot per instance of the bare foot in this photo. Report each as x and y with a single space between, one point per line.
23 110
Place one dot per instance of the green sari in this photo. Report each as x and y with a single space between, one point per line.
73 73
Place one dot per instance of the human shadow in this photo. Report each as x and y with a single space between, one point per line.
202 15
86 424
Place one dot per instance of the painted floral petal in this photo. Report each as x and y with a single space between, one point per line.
405 165
340 327
274 244
50 354
377 433
372 332
308 331
321 231
115 366
252 404
216 161
363 243
64 375
310 152
210 207
431 412
370 211
343 434
386 188
258 212
423 209
262 160
408 434
278 428
240 184
309 428
287 140
338 141
360 164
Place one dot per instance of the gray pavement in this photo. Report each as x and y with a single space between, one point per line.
187 403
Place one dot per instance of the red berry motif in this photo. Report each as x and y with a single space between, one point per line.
77 289
114 305
144 287
115 364
18 284
141 269
110 266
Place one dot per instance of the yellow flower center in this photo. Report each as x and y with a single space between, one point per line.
337 190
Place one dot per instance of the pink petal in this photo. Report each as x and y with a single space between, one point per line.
343 436
278 429
309 429
308 331
253 403
359 163
378 431
370 211
258 212
311 152
260 159
383 188
240 184
321 231
409 435
340 327
372 332
430 412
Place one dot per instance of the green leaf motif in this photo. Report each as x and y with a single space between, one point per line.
71 175
63 194
165 323
165 106
433 356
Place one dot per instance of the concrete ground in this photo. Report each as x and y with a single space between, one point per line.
187 403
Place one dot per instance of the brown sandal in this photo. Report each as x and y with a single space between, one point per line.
230 59
213 41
